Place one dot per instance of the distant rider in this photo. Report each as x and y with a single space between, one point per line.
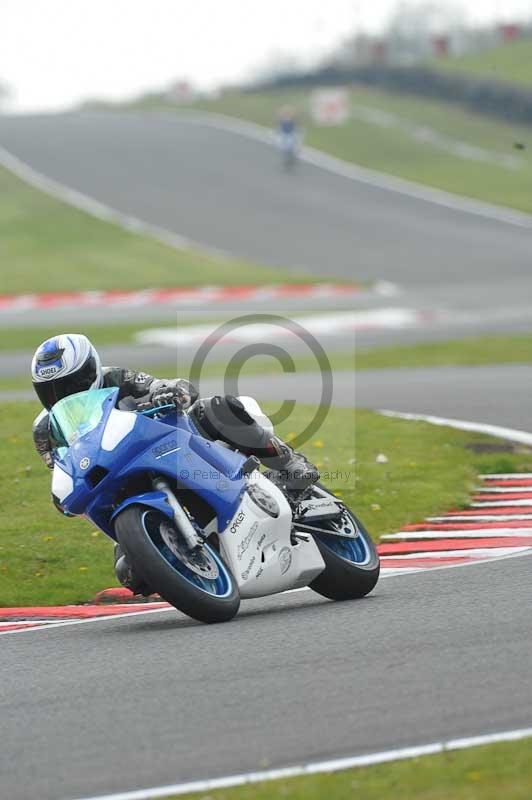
288 133
68 363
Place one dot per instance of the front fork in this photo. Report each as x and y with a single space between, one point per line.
181 519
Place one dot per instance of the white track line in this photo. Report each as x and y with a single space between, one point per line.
23 623
320 767
68 623
503 504
482 518
474 552
507 476
108 617
477 533
502 489
510 434
414 536
369 177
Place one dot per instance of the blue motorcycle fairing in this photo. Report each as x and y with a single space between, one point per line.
157 500
172 448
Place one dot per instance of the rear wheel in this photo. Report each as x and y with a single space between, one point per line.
352 565
198 583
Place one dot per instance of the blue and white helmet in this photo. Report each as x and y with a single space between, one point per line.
65 365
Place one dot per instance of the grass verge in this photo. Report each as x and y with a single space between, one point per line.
47 559
391 148
481 773
508 62
474 351
48 246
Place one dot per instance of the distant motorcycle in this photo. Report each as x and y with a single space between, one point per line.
199 523
288 144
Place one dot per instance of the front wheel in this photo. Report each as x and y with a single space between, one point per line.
198 583
352 565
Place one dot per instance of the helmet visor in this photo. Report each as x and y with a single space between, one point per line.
50 392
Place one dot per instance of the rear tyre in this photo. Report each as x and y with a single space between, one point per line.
200 585
352 566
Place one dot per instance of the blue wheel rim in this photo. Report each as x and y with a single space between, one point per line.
355 550
218 587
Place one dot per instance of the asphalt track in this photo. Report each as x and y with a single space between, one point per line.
227 191
492 395
153 700
202 183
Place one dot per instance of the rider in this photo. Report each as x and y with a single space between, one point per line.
69 363
288 130
287 121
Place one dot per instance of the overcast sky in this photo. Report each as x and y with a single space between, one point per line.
55 52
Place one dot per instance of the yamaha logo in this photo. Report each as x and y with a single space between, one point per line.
85 463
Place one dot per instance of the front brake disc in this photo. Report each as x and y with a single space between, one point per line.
199 560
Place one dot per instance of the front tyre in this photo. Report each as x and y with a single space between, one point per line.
199 584
352 566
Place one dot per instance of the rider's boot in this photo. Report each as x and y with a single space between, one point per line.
126 576
291 469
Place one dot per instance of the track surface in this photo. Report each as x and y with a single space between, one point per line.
151 700
498 395
228 192
154 700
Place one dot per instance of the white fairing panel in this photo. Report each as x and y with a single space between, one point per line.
119 425
258 548
62 484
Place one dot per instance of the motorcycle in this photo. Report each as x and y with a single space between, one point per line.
289 146
200 524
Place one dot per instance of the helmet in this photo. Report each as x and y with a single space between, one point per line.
65 365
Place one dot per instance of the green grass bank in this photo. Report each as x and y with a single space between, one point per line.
510 63
48 246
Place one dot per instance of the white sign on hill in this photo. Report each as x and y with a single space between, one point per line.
330 106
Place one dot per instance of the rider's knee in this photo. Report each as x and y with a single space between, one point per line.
220 417
256 413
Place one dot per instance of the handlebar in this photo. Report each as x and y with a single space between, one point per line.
144 406
152 411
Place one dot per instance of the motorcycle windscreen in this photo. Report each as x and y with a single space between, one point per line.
75 416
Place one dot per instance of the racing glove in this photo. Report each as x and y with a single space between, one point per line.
178 392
